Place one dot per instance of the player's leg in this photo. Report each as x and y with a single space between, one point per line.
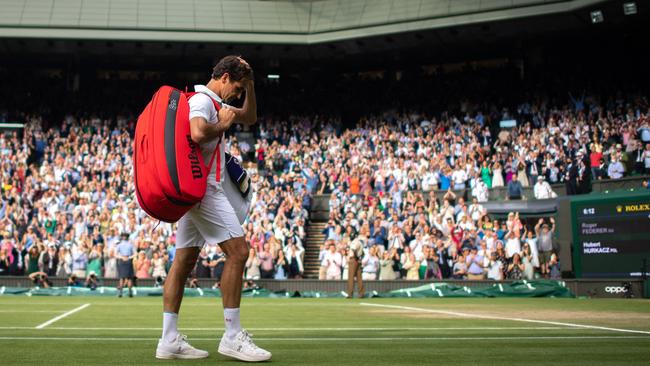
236 250
188 245
236 342
184 262
219 222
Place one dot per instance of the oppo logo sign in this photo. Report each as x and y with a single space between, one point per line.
615 289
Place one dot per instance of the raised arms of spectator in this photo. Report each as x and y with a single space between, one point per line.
538 227
450 195
525 233
541 222
552 225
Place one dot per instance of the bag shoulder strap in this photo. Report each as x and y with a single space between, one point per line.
217 105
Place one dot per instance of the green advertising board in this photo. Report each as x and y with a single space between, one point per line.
611 234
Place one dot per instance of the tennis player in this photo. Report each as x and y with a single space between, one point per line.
217 218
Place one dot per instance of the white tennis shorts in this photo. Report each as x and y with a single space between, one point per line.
217 218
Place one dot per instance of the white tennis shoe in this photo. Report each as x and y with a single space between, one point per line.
178 349
243 348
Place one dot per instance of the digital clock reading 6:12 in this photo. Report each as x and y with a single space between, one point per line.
589 211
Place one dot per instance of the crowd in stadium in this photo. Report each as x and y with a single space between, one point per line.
67 192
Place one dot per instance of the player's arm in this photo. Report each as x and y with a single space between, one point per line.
247 114
203 131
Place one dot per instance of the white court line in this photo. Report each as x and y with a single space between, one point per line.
308 329
468 315
158 304
31 311
55 319
333 339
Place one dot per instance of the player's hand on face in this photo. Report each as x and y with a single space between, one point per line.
226 117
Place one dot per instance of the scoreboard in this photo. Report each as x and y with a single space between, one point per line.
611 234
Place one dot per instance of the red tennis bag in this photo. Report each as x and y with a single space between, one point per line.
169 171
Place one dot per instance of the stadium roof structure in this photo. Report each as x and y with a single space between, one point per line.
255 21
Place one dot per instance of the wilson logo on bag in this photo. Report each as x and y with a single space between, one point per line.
169 171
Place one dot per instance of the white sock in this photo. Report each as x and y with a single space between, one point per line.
231 318
170 330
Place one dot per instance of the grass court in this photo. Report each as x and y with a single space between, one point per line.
501 331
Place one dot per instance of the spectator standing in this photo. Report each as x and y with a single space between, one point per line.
322 268
253 265
513 244
646 158
202 269
4 262
142 266
333 261
49 261
411 266
527 261
125 252
110 263
64 268
281 267
294 257
474 263
355 253
370 264
79 259
554 267
460 267
515 190
459 177
615 169
266 262
495 268
543 190
95 260
544 244
497 175
529 238
481 191
386 267
217 262
516 268
31 259
433 270
159 263
595 156
486 174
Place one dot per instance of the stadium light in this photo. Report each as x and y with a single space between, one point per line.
597 16
629 8
273 76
